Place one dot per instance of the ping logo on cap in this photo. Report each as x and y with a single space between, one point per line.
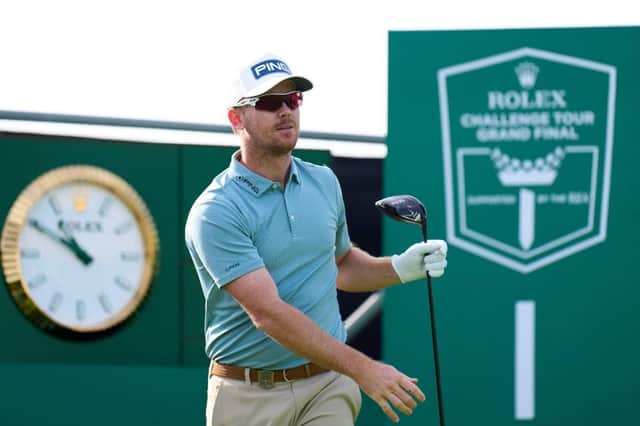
269 66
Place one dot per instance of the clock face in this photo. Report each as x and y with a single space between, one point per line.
79 250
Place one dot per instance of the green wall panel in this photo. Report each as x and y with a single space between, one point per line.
152 336
78 395
586 318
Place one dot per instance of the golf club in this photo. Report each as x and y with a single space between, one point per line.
408 209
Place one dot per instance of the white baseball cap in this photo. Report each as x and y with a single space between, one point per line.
264 73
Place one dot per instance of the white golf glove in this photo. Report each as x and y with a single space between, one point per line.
419 259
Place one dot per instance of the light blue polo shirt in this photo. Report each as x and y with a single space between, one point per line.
243 222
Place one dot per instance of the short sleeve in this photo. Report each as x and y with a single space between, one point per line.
221 237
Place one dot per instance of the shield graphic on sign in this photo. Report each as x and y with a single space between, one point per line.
527 143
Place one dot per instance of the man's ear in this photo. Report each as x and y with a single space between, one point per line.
234 118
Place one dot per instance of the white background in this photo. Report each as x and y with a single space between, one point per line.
174 60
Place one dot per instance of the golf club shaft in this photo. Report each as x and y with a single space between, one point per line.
434 337
434 341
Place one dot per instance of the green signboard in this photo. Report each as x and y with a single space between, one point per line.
521 144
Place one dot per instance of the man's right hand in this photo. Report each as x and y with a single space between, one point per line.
390 388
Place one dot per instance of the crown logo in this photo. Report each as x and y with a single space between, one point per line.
527 73
80 202
538 172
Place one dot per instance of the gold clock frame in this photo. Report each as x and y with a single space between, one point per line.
15 221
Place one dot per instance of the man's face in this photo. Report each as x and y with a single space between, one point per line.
275 132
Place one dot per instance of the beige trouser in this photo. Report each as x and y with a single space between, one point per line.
327 399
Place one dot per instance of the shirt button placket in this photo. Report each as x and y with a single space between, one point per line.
291 216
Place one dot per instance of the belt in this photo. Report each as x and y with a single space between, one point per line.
266 378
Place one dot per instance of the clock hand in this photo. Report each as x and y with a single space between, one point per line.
74 246
47 232
80 254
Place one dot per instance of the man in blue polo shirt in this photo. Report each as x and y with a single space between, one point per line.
269 241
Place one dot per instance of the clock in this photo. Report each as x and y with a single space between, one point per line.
79 251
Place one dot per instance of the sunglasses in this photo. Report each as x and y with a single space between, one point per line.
273 102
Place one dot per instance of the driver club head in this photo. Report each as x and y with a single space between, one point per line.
405 208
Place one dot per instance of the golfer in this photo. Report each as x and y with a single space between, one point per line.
269 241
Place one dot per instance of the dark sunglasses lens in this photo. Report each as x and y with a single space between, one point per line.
274 102
293 100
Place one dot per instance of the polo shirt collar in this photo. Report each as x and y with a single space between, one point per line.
254 183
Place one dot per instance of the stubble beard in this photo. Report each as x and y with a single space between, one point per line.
271 141
281 145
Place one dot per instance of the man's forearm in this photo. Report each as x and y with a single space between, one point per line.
299 334
358 271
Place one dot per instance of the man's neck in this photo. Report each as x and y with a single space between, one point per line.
273 167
